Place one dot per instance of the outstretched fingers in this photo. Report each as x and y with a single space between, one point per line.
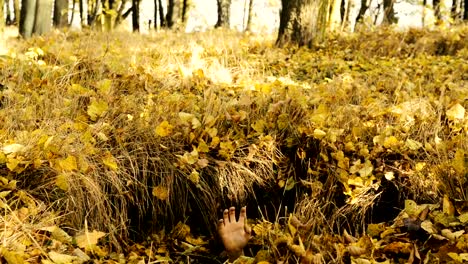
243 214
232 214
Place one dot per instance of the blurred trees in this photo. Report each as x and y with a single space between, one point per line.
301 21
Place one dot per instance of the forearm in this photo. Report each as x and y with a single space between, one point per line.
235 255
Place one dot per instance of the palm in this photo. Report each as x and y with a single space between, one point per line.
234 234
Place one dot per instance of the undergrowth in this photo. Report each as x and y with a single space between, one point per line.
130 134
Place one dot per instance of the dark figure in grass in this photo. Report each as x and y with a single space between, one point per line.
234 234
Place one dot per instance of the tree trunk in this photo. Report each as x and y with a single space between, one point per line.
428 15
61 13
465 12
2 18
73 10
302 22
136 15
457 13
26 22
162 19
349 15
224 13
120 12
362 10
445 7
9 18
155 15
93 11
16 9
389 12
173 15
43 17
335 15
249 16
83 15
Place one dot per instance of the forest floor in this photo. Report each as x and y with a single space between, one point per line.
122 148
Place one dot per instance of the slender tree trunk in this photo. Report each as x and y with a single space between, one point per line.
43 17
61 13
83 15
362 10
120 12
16 9
155 15
26 22
2 18
428 15
335 15
93 10
457 13
249 16
465 12
136 15
9 18
302 22
73 10
224 13
162 19
173 16
445 7
349 20
389 12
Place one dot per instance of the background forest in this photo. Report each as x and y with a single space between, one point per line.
343 130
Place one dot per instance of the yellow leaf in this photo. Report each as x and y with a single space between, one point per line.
68 164
164 129
59 258
389 175
189 157
12 163
283 121
161 192
455 112
356 181
89 239
58 234
212 131
186 117
366 169
62 181
413 144
195 123
459 163
97 108
104 86
12 257
319 134
110 161
12 148
391 142
259 126
214 142
194 177
202 146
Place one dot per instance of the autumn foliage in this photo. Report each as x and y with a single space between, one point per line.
107 137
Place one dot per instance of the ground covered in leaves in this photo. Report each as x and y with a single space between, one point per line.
120 148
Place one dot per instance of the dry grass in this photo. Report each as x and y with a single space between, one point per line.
262 104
